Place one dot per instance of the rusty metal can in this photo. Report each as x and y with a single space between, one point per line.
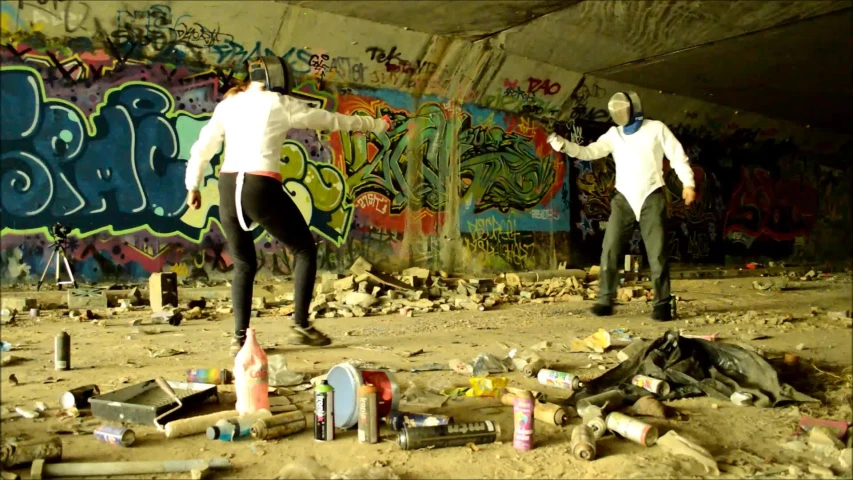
582 445
658 387
122 437
594 419
78 397
13 454
632 429
606 402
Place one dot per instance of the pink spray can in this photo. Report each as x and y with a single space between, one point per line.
251 376
523 407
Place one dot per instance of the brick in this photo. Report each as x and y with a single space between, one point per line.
163 290
18 304
83 298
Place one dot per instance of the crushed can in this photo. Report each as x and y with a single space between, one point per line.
452 435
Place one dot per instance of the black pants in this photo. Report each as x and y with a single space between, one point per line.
265 202
619 229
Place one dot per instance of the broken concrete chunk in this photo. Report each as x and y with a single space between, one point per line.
417 272
18 304
83 298
361 266
364 300
346 283
259 303
678 445
824 441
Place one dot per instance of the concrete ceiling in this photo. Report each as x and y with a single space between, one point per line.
466 18
786 59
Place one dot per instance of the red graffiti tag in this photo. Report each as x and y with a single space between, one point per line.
542 85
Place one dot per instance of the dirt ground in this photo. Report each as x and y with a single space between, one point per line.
747 442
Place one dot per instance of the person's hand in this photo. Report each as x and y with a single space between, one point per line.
688 194
194 199
556 142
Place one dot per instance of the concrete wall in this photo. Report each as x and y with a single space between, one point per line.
101 102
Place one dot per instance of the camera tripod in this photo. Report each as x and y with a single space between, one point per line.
58 251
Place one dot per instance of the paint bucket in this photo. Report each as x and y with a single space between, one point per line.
345 378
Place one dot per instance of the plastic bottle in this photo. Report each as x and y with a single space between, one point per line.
251 377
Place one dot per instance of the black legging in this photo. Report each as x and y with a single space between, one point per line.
265 202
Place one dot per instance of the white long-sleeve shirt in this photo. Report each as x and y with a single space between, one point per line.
254 124
639 159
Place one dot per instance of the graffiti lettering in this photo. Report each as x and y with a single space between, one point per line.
545 86
318 65
72 21
489 237
199 36
379 55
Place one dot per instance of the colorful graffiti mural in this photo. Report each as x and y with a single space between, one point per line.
98 141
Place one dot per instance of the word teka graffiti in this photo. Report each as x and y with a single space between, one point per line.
499 170
122 168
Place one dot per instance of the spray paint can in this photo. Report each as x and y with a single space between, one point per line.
593 417
324 412
606 402
532 368
674 304
78 397
632 429
62 351
278 426
213 376
658 387
368 419
557 379
400 420
551 414
122 437
452 435
582 445
23 453
523 421
235 428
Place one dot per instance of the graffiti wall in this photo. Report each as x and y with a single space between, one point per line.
97 128
759 196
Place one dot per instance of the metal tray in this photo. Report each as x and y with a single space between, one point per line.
145 401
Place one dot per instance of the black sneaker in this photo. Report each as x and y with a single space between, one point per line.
308 336
236 345
662 313
600 310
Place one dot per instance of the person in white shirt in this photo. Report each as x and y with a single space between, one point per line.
253 121
638 147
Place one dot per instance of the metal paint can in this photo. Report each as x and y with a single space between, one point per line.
452 435
594 419
564 380
78 397
522 409
62 351
278 426
607 402
658 387
122 437
324 412
212 376
34 312
400 420
632 429
368 419
345 378
533 367
582 445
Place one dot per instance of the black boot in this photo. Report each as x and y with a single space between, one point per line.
662 313
600 310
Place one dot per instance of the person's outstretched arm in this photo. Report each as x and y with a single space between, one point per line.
300 115
205 147
678 160
595 150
